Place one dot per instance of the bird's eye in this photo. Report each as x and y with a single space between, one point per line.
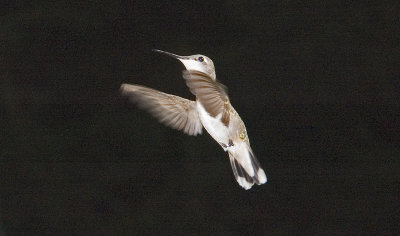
201 59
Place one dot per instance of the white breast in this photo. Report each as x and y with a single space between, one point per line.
214 126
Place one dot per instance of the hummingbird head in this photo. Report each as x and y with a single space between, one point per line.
195 62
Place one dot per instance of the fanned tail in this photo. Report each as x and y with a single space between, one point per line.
246 168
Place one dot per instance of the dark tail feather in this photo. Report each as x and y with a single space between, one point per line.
241 175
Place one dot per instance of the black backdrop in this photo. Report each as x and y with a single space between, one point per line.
317 85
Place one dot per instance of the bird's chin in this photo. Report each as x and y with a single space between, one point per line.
193 65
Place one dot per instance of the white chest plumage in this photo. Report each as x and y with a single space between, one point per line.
213 125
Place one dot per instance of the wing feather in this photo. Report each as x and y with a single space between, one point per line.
173 111
211 94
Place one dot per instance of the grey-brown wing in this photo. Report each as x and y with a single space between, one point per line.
211 94
173 111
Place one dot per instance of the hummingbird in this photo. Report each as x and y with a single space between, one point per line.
211 109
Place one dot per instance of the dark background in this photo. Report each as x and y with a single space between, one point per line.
317 85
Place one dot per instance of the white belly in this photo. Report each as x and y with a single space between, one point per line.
214 126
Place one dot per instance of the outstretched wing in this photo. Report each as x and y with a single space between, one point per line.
211 94
173 111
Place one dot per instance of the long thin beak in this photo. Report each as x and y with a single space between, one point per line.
169 54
